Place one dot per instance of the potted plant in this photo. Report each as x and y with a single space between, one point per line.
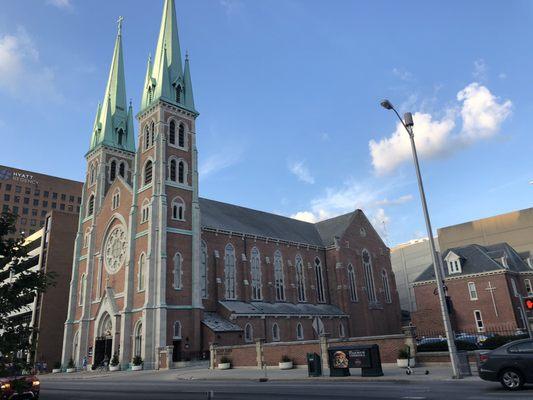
137 363
285 363
57 368
70 366
404 358
113 366
225 363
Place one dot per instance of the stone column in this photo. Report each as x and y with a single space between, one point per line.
324 350
259 352
212 355
410 341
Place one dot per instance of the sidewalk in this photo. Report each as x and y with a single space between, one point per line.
390 373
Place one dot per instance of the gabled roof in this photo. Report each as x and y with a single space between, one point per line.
232 218
218 324
261 308
477 259
334 227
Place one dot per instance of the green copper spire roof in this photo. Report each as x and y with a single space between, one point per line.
111 123
189 98
165 79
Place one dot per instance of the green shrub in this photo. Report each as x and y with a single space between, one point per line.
114 360
404 353
71 363
285 358
137 360
57 365
224 360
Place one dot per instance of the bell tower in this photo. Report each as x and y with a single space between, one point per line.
167 174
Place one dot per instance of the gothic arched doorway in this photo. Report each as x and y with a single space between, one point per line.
104 341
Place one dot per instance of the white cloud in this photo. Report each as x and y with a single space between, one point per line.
400 200
63 4
325 136
502 75
403 74
216 162
306 216
481 113
231 6
300 170
21 72
480 70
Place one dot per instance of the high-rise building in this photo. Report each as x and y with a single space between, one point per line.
31 196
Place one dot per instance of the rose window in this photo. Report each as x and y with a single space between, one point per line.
115 249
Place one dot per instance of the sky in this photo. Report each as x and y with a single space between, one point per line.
288 93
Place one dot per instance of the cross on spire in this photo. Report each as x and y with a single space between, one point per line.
119 22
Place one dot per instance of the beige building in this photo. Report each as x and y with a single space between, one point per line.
410 259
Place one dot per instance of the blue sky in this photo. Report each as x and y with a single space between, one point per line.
289 94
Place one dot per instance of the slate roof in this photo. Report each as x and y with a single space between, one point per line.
476 259
218 324
257 307
229 217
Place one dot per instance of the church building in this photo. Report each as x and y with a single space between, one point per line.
159 270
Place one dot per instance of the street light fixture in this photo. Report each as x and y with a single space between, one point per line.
408 124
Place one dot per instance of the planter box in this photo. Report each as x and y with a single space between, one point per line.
224 366
402 362
285 365
114 368
56 370
70 370
136 367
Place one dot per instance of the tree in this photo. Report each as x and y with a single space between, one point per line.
18 288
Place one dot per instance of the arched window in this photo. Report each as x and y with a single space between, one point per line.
115 201
299 331
203 270
176 334
342 333
90 205
178 261
300 278
369 276
145 211
178 209
320 293
386 287
248 333
172 173
142 273
92 174
181 171
146 137
178 94
122 169
181 136
352 283
172 132
138 339
255 270
120 135
148 172
229 272
275 332
278 276
83 286
152 133
112 171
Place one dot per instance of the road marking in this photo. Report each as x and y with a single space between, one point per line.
414 398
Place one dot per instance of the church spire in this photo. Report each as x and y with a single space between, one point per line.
165 77
189 98
110 127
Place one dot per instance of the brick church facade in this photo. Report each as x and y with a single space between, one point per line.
156 267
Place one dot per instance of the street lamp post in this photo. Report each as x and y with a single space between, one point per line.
408 124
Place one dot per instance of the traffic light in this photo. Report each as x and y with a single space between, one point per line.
528 303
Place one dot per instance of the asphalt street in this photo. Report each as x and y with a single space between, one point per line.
150 388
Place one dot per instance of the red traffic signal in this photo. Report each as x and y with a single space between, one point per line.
528 303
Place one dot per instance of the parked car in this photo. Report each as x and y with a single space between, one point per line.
476 339
19 387
510 364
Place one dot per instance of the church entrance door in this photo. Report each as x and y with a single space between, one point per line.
102 348
176 352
